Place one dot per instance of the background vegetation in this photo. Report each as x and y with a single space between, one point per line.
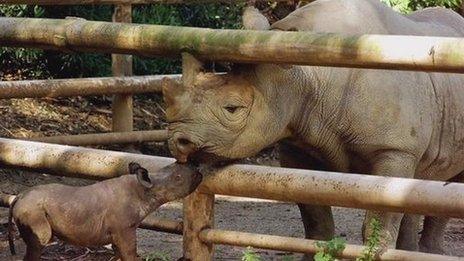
28 63
38 64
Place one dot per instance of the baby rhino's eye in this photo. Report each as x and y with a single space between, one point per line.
177 177
231 108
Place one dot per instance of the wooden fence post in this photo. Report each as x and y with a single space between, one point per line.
122 66
198 207
198 215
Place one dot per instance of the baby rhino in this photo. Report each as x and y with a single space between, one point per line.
99 214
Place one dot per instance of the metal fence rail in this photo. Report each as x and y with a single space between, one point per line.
82 86
439 54
293 185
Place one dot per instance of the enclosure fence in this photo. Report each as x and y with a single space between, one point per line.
194 45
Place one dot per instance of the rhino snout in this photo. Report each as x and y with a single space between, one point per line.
182 147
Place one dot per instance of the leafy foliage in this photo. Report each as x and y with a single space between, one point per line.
46 64
408 6
373 242
250 255
329 249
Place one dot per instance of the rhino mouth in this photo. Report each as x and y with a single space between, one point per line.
204 157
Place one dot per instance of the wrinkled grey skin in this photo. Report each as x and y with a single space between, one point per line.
105 212
380 122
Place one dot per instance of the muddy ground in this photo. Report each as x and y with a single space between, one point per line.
41 117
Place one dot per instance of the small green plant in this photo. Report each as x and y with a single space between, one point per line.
250 255
157 256
373 242
288 258
329 249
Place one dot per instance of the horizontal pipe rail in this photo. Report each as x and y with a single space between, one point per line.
6 200
291 185
106 138
71 161
82 87
422 53
133 2
162 225
150 222
290 244
339 189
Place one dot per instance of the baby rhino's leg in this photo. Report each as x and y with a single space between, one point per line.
36 233
125 244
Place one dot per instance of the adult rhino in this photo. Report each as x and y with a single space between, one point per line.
380 122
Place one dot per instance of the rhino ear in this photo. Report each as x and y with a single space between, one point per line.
252 19
143 178
171 90
133 167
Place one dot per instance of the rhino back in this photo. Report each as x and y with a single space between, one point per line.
421 113
370 17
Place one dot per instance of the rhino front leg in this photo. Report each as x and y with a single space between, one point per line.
317 220
409 233
390 164
431 240
125 244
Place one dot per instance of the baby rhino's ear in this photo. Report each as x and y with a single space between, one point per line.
143 178
133 166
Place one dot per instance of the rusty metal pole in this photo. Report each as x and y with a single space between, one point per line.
122 66
106 138
82 86
419 53
198 207
433 198
290 244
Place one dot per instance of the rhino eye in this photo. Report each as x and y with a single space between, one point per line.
231 108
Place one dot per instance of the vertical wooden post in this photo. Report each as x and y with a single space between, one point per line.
198 207
122 66
198 215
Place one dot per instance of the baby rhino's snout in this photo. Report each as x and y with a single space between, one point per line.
176 181
191 176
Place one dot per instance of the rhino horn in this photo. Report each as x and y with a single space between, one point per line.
171 90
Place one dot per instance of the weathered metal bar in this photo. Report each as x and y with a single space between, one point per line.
444 54
291 185
122 105
106 138
162 225
72 161
82 87
150 222
6 199
198 207
290 244
339 189
134 2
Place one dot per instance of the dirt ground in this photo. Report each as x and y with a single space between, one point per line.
41 117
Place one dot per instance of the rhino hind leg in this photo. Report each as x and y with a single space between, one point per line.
432 235
33 242
408 237
35 231
317 220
